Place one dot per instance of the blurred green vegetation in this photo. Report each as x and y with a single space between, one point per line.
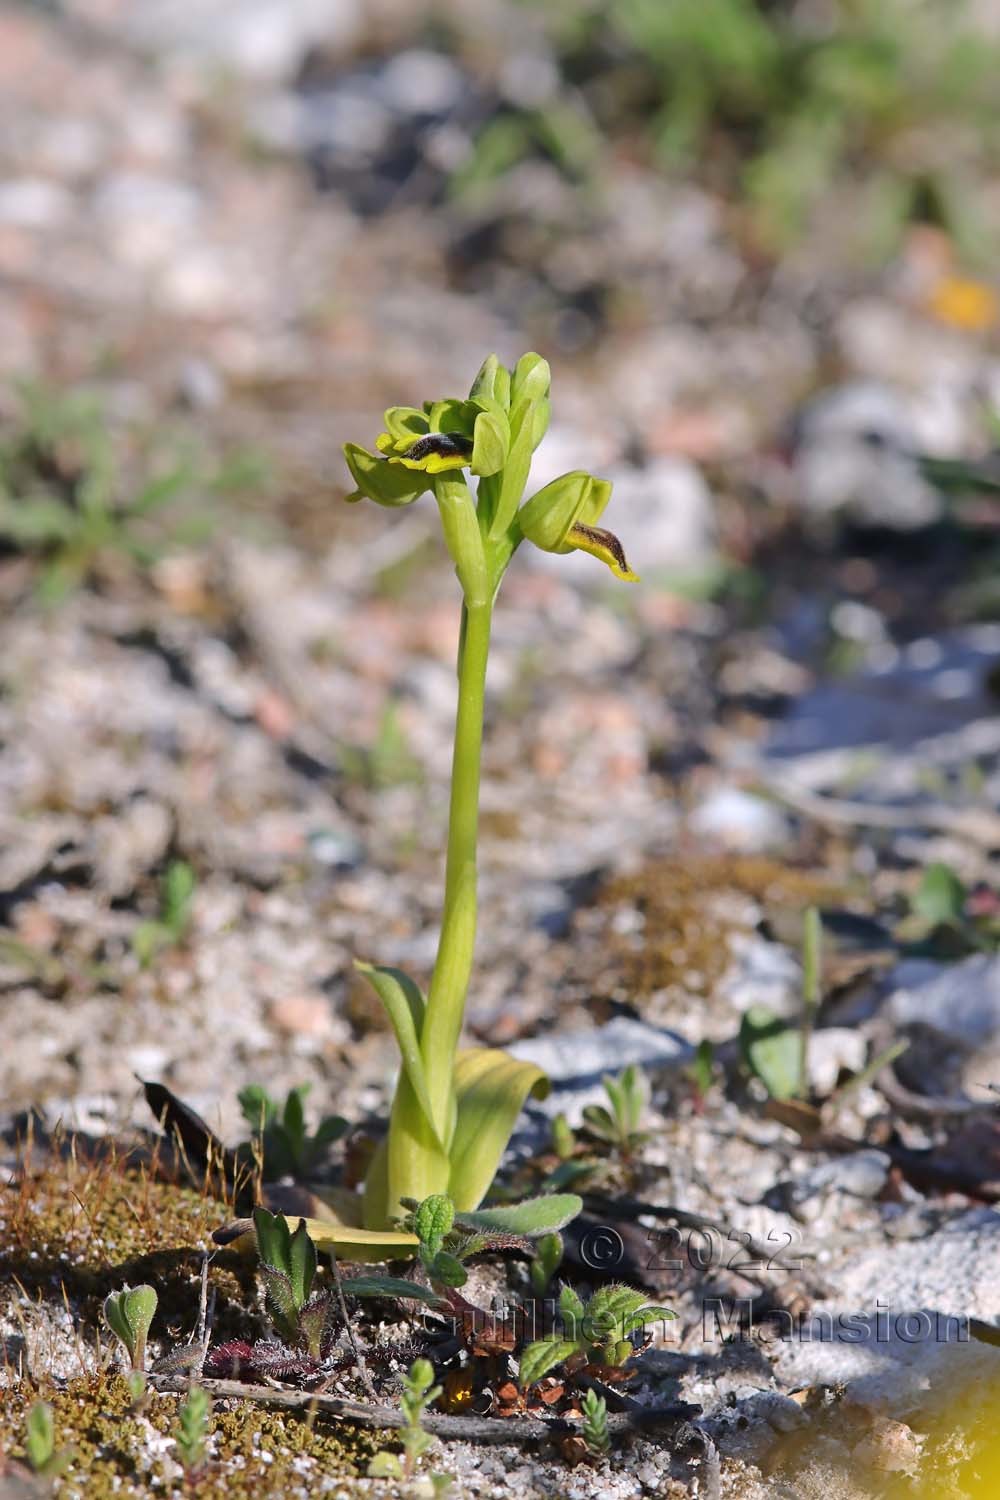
71 501
774 105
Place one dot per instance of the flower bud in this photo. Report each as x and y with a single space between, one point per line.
561 518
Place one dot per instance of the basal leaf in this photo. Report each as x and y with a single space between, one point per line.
404 1005
533 1217
490 1088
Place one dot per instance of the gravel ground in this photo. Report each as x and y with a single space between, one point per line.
799 704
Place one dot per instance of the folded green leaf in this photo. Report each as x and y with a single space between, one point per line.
128 1314
490 1088
404 1005
302 1264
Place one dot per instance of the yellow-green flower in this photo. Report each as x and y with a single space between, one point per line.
562 517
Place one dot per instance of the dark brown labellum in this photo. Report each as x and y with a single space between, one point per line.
444 444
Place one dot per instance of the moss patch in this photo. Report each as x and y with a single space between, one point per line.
84 1223
684 903
121 1449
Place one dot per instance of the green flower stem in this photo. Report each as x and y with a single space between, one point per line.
446 999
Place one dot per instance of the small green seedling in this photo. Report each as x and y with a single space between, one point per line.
772 1050
563 1139
40 1443
593 1335
171 927
618 1126
812 989
595 1423
286 1147
432 1223
303 1320
701 1069
946 917
386 763
939 900
191 1434
128 1314
419 1392
776 1053
548 1259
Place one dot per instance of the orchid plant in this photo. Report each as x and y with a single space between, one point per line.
455 1108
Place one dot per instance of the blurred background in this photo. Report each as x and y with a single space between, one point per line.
758 244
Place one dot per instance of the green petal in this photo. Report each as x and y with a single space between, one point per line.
490 1088
385 483
405 423
453 415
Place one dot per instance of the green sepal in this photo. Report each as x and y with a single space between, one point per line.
491 441
531 379
492 381
516 470
385 483
540 414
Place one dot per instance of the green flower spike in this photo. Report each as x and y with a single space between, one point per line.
562 516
